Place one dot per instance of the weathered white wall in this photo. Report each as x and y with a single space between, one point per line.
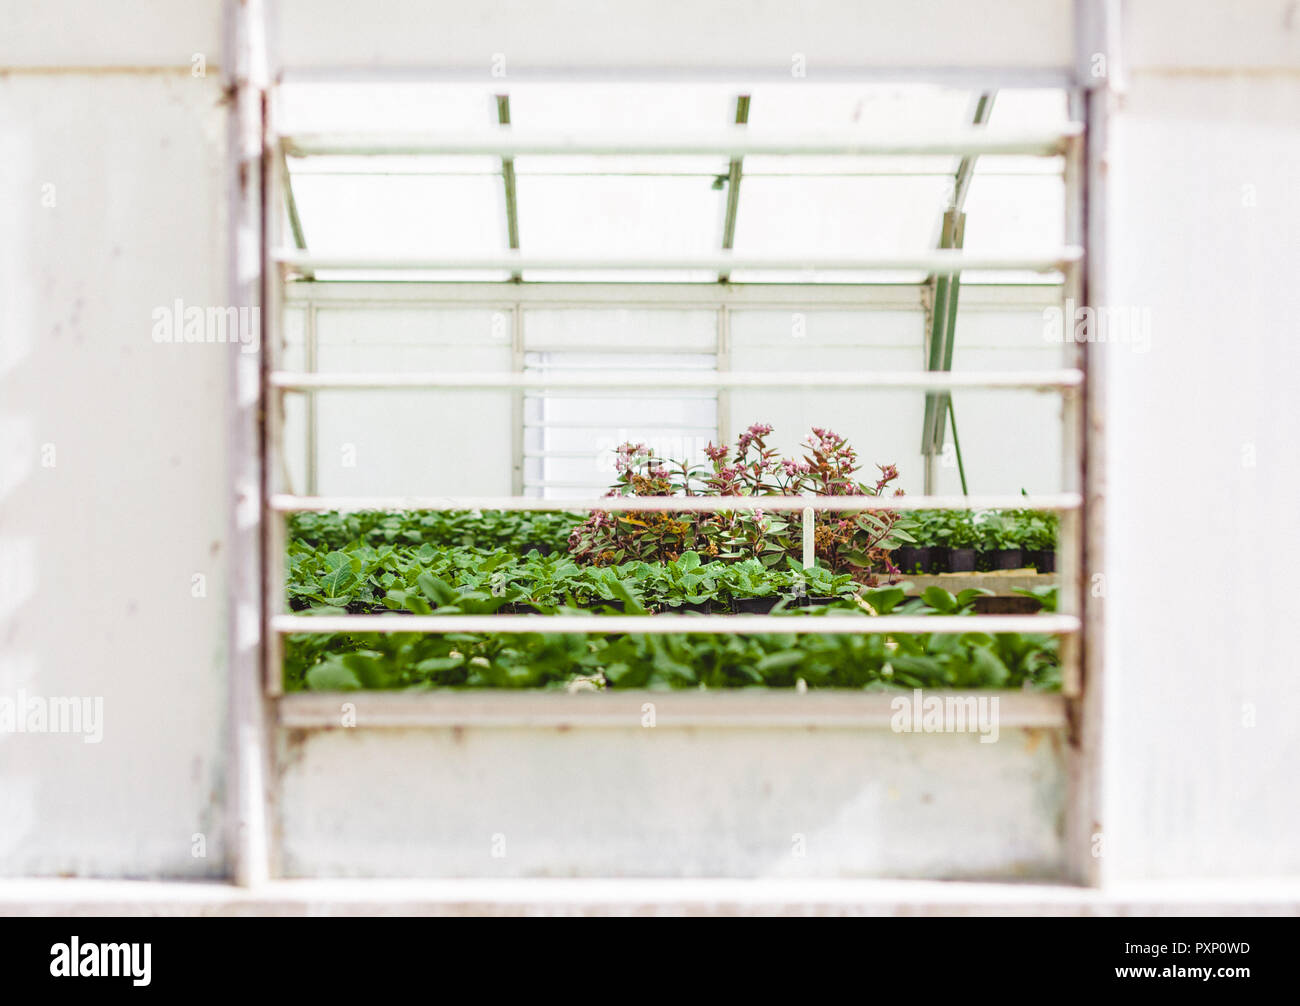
113 487
1204 490
625 802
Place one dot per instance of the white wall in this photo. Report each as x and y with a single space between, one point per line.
626 802
113 486
1202 529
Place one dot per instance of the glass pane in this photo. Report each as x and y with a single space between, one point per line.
404 215
618 216
827 216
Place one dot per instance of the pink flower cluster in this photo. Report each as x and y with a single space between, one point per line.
755 432
625 455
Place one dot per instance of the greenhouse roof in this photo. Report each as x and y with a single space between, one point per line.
691 206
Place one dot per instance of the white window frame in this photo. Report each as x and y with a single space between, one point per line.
257 525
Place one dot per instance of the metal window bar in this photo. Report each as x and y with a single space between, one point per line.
730 142
1026 380
939 262
824 625
288 503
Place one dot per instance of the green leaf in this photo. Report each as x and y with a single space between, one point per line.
631 604
435 590
331 675
339 581
370 668
939 599
779 661
968 595
991 670
884 599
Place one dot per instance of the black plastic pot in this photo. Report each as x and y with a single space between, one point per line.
543 550
703 608
1007 558
936 561
1042 559
961 560
809 601
904 558
753 605
920 560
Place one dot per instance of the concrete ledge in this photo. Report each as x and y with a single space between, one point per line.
643 897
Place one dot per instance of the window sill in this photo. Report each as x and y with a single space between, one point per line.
830 709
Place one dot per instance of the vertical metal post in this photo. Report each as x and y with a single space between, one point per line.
508 180
734 173
311 360
1070 546
248 762
517 403
723 365
1099 78
809 537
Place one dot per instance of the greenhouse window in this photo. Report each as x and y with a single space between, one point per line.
552 304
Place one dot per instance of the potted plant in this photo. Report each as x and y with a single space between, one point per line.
998 544
963 537
1038 539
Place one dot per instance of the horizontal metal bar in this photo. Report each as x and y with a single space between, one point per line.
398 295
657 426
565 455
938 261
777 707
659 625
708 357
986 75
286 503
1029 380
1035 169
728 141
557 484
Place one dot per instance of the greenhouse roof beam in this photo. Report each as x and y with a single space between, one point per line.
952 228
291 206
965 172
733 188
508 179
966 169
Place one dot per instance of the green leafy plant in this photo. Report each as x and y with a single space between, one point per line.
434 577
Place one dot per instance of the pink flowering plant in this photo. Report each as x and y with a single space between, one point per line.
857 542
